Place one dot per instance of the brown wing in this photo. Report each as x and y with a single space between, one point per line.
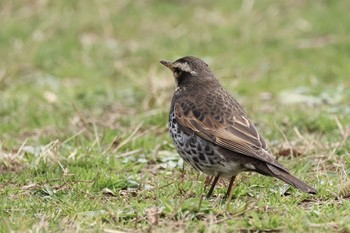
234 132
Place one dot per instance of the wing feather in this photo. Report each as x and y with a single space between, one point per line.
241 136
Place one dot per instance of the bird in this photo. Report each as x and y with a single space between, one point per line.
212 131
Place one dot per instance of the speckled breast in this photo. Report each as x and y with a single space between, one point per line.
198 152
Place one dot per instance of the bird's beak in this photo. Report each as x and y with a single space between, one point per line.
167 64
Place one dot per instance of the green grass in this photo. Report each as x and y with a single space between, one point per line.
84 104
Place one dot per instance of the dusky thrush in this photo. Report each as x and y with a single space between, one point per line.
212 132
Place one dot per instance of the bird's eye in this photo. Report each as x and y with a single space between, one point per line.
177 70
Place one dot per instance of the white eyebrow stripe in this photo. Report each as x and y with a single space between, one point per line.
185 67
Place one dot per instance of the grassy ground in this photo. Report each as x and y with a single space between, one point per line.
84 104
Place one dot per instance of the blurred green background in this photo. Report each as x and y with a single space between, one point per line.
83 97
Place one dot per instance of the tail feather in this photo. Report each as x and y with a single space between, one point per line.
290 179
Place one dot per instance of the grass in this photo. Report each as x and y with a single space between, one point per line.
84 104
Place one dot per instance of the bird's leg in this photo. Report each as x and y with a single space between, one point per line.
228 192
208 180
213 185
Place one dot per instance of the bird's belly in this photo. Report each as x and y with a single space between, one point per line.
201 154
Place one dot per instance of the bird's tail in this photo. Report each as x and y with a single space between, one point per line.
290 179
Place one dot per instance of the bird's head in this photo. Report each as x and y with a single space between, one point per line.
189 70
